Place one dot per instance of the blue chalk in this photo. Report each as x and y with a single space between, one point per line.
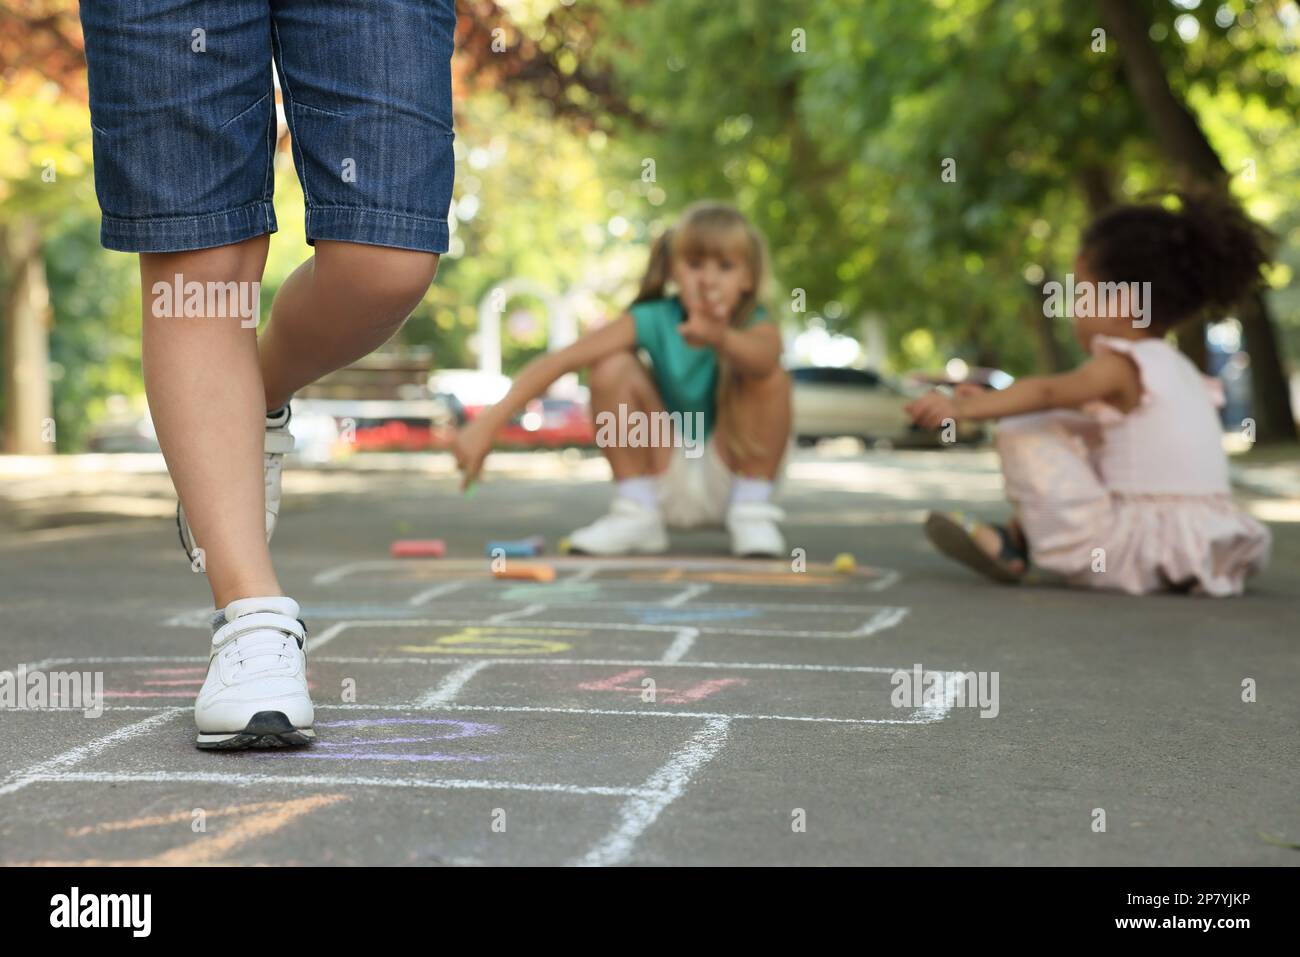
520 548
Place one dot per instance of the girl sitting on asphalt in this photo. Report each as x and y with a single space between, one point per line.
1116 471
715 360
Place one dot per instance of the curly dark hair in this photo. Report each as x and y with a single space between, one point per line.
1206 256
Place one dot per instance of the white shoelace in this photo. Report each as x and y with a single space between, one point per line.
259 644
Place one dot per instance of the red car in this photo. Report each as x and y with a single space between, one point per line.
550 424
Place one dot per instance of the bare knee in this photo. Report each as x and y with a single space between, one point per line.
614 374
390 282
407 275
763 395
774 386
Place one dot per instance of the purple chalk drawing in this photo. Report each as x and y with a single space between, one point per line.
378 756
468 729
455 729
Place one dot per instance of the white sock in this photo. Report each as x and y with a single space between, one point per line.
750 490
644 490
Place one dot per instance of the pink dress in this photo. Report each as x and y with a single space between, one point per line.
1135 501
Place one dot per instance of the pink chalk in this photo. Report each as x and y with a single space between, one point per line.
696 692
418 548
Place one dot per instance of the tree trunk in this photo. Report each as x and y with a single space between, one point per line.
1197 164
1051 354
29 424
1095 180
1268 384
1176 128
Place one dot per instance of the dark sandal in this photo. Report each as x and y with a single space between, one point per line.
953 534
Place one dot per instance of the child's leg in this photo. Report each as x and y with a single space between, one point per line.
621 387
338 306
1062 508
622 380
761 413
206 398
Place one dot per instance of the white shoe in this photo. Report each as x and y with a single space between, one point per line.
278 443
754 531
255 695
629 527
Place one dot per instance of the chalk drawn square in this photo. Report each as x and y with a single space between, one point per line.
737 690
453 748
468 639
175 824
754 618
636 572
167 682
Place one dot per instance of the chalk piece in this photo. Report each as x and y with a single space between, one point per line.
418 548
536 573
844 562
564 546
403 528
517 548
469 489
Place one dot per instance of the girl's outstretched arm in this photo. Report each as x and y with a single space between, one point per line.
475 440
1109 376
755 351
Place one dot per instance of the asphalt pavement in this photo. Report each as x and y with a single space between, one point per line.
689 709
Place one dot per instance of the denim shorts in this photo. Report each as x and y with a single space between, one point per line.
183 117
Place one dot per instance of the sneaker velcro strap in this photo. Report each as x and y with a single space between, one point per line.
259 621
278 441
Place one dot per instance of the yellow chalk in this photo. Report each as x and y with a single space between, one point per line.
564 546
844 562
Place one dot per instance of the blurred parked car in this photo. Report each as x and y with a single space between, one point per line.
473 389
832 401
374 425
551 423
556 421
983 376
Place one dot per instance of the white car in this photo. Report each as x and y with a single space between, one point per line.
473 388
832 401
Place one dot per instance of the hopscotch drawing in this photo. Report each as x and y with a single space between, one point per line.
433 676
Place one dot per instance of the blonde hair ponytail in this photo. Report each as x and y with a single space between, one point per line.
658 270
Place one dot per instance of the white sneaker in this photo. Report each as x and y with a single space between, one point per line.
255 695
754 531
278 443
629 527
